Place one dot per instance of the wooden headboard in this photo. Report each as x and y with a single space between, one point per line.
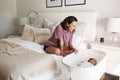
87 17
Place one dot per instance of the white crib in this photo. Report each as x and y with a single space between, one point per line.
90 73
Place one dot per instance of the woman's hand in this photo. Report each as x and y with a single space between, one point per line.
76 51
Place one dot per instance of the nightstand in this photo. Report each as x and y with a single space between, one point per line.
112 51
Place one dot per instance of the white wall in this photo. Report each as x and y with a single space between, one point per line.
105 9
7 17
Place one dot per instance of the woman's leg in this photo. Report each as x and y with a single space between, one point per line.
67 51
53 50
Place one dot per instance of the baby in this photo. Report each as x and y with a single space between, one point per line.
91 62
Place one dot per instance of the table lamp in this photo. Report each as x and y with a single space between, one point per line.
21 22
113 26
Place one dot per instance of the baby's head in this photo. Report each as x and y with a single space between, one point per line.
92 61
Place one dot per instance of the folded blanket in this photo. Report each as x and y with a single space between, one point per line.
5 46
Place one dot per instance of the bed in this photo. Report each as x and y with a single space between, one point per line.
27 59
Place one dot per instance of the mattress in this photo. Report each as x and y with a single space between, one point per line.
18 63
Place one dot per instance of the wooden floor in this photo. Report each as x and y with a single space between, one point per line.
108 76
103 77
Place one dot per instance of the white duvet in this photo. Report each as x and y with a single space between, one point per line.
49 75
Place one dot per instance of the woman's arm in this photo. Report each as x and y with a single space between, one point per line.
61 46
74 49
63 50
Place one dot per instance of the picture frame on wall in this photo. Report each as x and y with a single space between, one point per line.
53 3
74 2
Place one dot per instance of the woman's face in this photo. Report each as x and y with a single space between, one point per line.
72 26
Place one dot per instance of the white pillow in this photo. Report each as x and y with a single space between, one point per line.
48 24
41 35
80 28
54 26
78 39
42 38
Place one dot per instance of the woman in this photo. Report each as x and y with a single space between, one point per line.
60 42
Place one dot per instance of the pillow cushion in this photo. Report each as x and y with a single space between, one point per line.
28 34
48 24
38 35
42 38
42 35
78 35
80 28
77 39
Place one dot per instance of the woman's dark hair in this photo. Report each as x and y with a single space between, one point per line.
68 20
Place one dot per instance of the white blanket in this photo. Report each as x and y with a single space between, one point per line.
18 63
48 75
62 70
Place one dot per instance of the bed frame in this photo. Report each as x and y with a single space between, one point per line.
87 17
